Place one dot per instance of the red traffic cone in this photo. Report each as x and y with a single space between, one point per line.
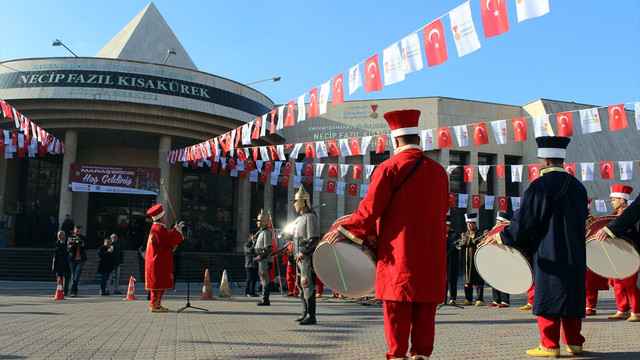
59 293
131 290
207 294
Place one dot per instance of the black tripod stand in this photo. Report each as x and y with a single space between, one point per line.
188 305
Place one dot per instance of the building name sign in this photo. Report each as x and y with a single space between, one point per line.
114 179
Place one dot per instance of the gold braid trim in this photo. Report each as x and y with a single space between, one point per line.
350 236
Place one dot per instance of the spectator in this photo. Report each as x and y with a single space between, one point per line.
67 225
61 261
251 267
53 231
105 265
116 260
77 256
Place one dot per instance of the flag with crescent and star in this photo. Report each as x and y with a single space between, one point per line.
565 124
372 80
434 43
313 103
606 169
480 134
495 19
617 117
444 138
338 90
571 168
534 172
519 128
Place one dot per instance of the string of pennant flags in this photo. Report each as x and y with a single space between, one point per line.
32 140
399 59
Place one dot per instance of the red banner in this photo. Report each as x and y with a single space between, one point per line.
114 179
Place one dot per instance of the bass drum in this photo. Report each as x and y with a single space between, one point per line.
504 267
347 268
614 258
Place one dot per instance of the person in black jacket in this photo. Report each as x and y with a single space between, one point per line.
76 245
251 267
67 225
105 265
60 264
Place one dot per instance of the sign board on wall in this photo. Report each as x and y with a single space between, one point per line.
114 179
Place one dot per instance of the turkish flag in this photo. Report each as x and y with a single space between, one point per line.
452 200
331 186
309 150
223 170
333 148
617 117
534 172
251 165
500 171
565 124
333 170
231 164
308 169
263 177
6 109
214 167
42 150
288 120
444 138
606 169
272 128
571 168
254 152
381 144
242 174
314 110
238 137
357 171
520 128
468 173
285 180
372 78
476 201
353 189
354 145
309 180
338 90
273 152
502 203
494 17
434 43
241 155
480 134
268 166
256 128
287 168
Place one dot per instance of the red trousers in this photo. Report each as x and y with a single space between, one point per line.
319 286
404 319
592 299
550 331
530 293
156 298
627 294
291 280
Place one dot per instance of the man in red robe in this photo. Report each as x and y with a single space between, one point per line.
408 202
158 259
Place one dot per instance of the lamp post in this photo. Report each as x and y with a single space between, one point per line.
170 52
57 42
275 79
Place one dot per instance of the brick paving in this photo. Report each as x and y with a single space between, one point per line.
33 326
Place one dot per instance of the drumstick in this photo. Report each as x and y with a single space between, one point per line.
344 284
608 257
175 220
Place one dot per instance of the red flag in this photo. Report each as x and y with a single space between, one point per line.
251 165
565 124
273 152
272 128
289 120
571 168
42 150
256 128
452 200
354 145
241 155
242 174
338 90
214 167
534 172
480 134
314 110
381 144
502 203
520 128
500 171
444 138
333 148
231 164
331 186
309 150
494 17
434 43
309 180
223 170
357 171
254 152
617 117
468 173
238 137
263 177
6 109
372 79
287 168
476 200
606 168
285 180
353 189
308 169
333 170
268 166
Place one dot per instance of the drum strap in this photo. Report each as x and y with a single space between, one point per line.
413 169
557 196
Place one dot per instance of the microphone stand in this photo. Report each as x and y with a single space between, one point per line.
188 305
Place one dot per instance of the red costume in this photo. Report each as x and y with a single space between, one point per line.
410 215
593 284
158 260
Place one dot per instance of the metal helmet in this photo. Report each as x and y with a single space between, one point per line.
262 216
302 197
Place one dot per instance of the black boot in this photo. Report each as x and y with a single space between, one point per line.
304 309
265 297
310 319
468 293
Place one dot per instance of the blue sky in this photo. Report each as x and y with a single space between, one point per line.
585 51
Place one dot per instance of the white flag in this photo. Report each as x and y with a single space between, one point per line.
264 152
392 61
601 206
626 170
426 136
363 190
324 96
280 123
461 135
345 150
516 173
246 134
299 166
500 131
340 187
302 110
364 144
274 179
463 200
488 202
515 203
319 167
527 9
587 171
239 164
637 108
318 185
321 149
281 155
483 170
277 165
355 79
344 169
411 53
296 181
450 168
590 120
258 164
253 176
541 126
368 170
263 125
295 151
464 32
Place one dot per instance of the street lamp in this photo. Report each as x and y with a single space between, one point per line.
57 42
275 79
170 52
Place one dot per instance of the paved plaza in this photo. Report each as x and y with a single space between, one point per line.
33 326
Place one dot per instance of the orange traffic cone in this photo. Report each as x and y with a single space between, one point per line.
131 290
206 288
59 293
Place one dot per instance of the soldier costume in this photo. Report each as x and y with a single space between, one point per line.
469 244
264 244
